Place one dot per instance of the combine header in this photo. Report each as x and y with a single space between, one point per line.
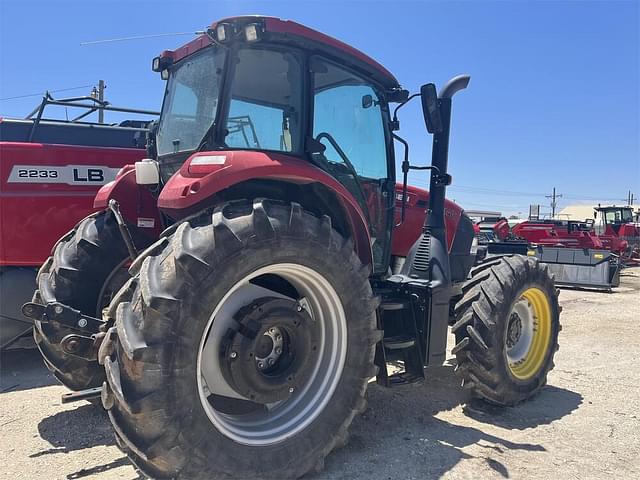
575 254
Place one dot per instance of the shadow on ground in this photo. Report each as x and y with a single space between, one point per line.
400 429
22 370
71 430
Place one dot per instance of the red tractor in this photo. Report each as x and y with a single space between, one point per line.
619 231
268 284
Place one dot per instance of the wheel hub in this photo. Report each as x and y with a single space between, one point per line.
515 330
269 354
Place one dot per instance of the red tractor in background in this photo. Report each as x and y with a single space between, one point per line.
619 231
275 268
50 170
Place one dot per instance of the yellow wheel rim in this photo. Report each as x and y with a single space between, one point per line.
528 334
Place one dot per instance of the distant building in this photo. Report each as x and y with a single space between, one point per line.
577 212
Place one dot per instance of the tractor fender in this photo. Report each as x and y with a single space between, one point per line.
206 174
138 206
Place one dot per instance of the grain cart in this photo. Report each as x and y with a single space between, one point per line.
244 342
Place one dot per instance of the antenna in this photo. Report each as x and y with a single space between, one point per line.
140 37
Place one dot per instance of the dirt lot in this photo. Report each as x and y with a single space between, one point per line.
585 424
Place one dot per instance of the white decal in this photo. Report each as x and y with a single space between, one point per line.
209 160
146 222
68 174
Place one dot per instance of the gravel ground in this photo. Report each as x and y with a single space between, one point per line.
583 425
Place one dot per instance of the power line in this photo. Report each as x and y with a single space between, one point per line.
139 37
41 93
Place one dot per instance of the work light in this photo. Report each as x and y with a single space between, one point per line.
251 32
223 32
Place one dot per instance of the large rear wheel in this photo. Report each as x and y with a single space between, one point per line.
506 329
242 348
86 269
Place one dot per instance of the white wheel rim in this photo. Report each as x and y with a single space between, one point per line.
284 419
519 347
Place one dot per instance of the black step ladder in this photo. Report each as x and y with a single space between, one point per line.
406 347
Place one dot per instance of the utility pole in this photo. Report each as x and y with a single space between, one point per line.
101 87
553 197
630 198
98 94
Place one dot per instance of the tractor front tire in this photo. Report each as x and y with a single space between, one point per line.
85 269
506 329
271 303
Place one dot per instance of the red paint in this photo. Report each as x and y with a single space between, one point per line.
33 216
135 201
557 233
192 189
286 28
406 234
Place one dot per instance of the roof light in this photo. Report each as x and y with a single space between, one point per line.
252 32
224 32
164 74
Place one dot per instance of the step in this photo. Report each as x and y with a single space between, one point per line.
395 305
399 342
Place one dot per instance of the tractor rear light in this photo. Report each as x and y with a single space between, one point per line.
147 172
252 32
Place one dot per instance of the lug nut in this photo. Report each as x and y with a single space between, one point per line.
260 365
299 308
272 331
270 361
233 355
278 337
291 389
278 351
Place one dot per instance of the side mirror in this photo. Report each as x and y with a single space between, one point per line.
367 101
431 108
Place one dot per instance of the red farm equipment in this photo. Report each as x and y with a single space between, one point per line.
267 283
619 231
575 254
50 170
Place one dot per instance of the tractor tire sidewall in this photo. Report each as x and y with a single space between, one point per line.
207 452
549 290
488 298
81 262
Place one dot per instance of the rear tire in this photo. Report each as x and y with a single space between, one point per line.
85 269
506 329
164 418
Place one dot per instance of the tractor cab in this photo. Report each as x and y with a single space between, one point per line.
249 85
612 218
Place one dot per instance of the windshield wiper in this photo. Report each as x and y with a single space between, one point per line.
206 137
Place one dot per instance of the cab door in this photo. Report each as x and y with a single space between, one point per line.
350 121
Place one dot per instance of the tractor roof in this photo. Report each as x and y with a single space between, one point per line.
292 33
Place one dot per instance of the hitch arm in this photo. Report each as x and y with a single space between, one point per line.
67 316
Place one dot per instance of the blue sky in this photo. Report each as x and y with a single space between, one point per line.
554 98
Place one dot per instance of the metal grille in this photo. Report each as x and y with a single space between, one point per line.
421 260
